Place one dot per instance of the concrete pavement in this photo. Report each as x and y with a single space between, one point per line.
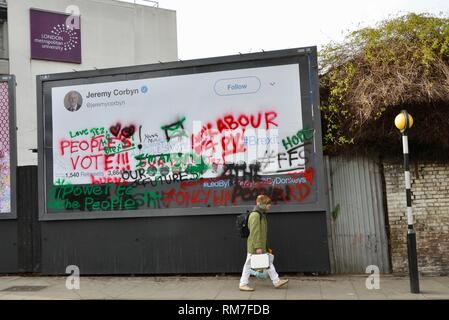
325 287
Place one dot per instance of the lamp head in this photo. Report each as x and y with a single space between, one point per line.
403 121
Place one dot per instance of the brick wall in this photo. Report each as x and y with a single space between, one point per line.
430 202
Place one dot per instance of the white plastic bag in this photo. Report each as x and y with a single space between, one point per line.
260 261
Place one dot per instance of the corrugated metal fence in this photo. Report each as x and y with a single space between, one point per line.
357 230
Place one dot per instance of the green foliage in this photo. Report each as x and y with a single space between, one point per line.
377 68
335 212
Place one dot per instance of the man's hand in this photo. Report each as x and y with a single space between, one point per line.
259 251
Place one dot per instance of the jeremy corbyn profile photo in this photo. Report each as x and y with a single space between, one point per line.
73 100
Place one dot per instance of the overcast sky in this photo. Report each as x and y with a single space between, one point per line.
209 28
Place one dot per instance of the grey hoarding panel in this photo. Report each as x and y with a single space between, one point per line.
28 225
106 171
174 245
8 246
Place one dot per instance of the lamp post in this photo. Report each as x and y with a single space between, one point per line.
403 122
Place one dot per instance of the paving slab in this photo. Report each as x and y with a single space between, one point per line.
230 291
299 290
338 290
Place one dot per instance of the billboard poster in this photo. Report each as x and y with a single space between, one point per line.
181 142
54 36
126 125
5 164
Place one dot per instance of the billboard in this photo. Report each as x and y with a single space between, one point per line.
197 137
55 36
7 148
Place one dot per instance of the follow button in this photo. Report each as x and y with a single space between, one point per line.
245 85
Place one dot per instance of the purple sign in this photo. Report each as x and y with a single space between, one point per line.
55 37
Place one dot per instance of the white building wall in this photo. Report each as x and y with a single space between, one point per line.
113 34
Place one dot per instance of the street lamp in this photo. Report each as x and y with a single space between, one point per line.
403 122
